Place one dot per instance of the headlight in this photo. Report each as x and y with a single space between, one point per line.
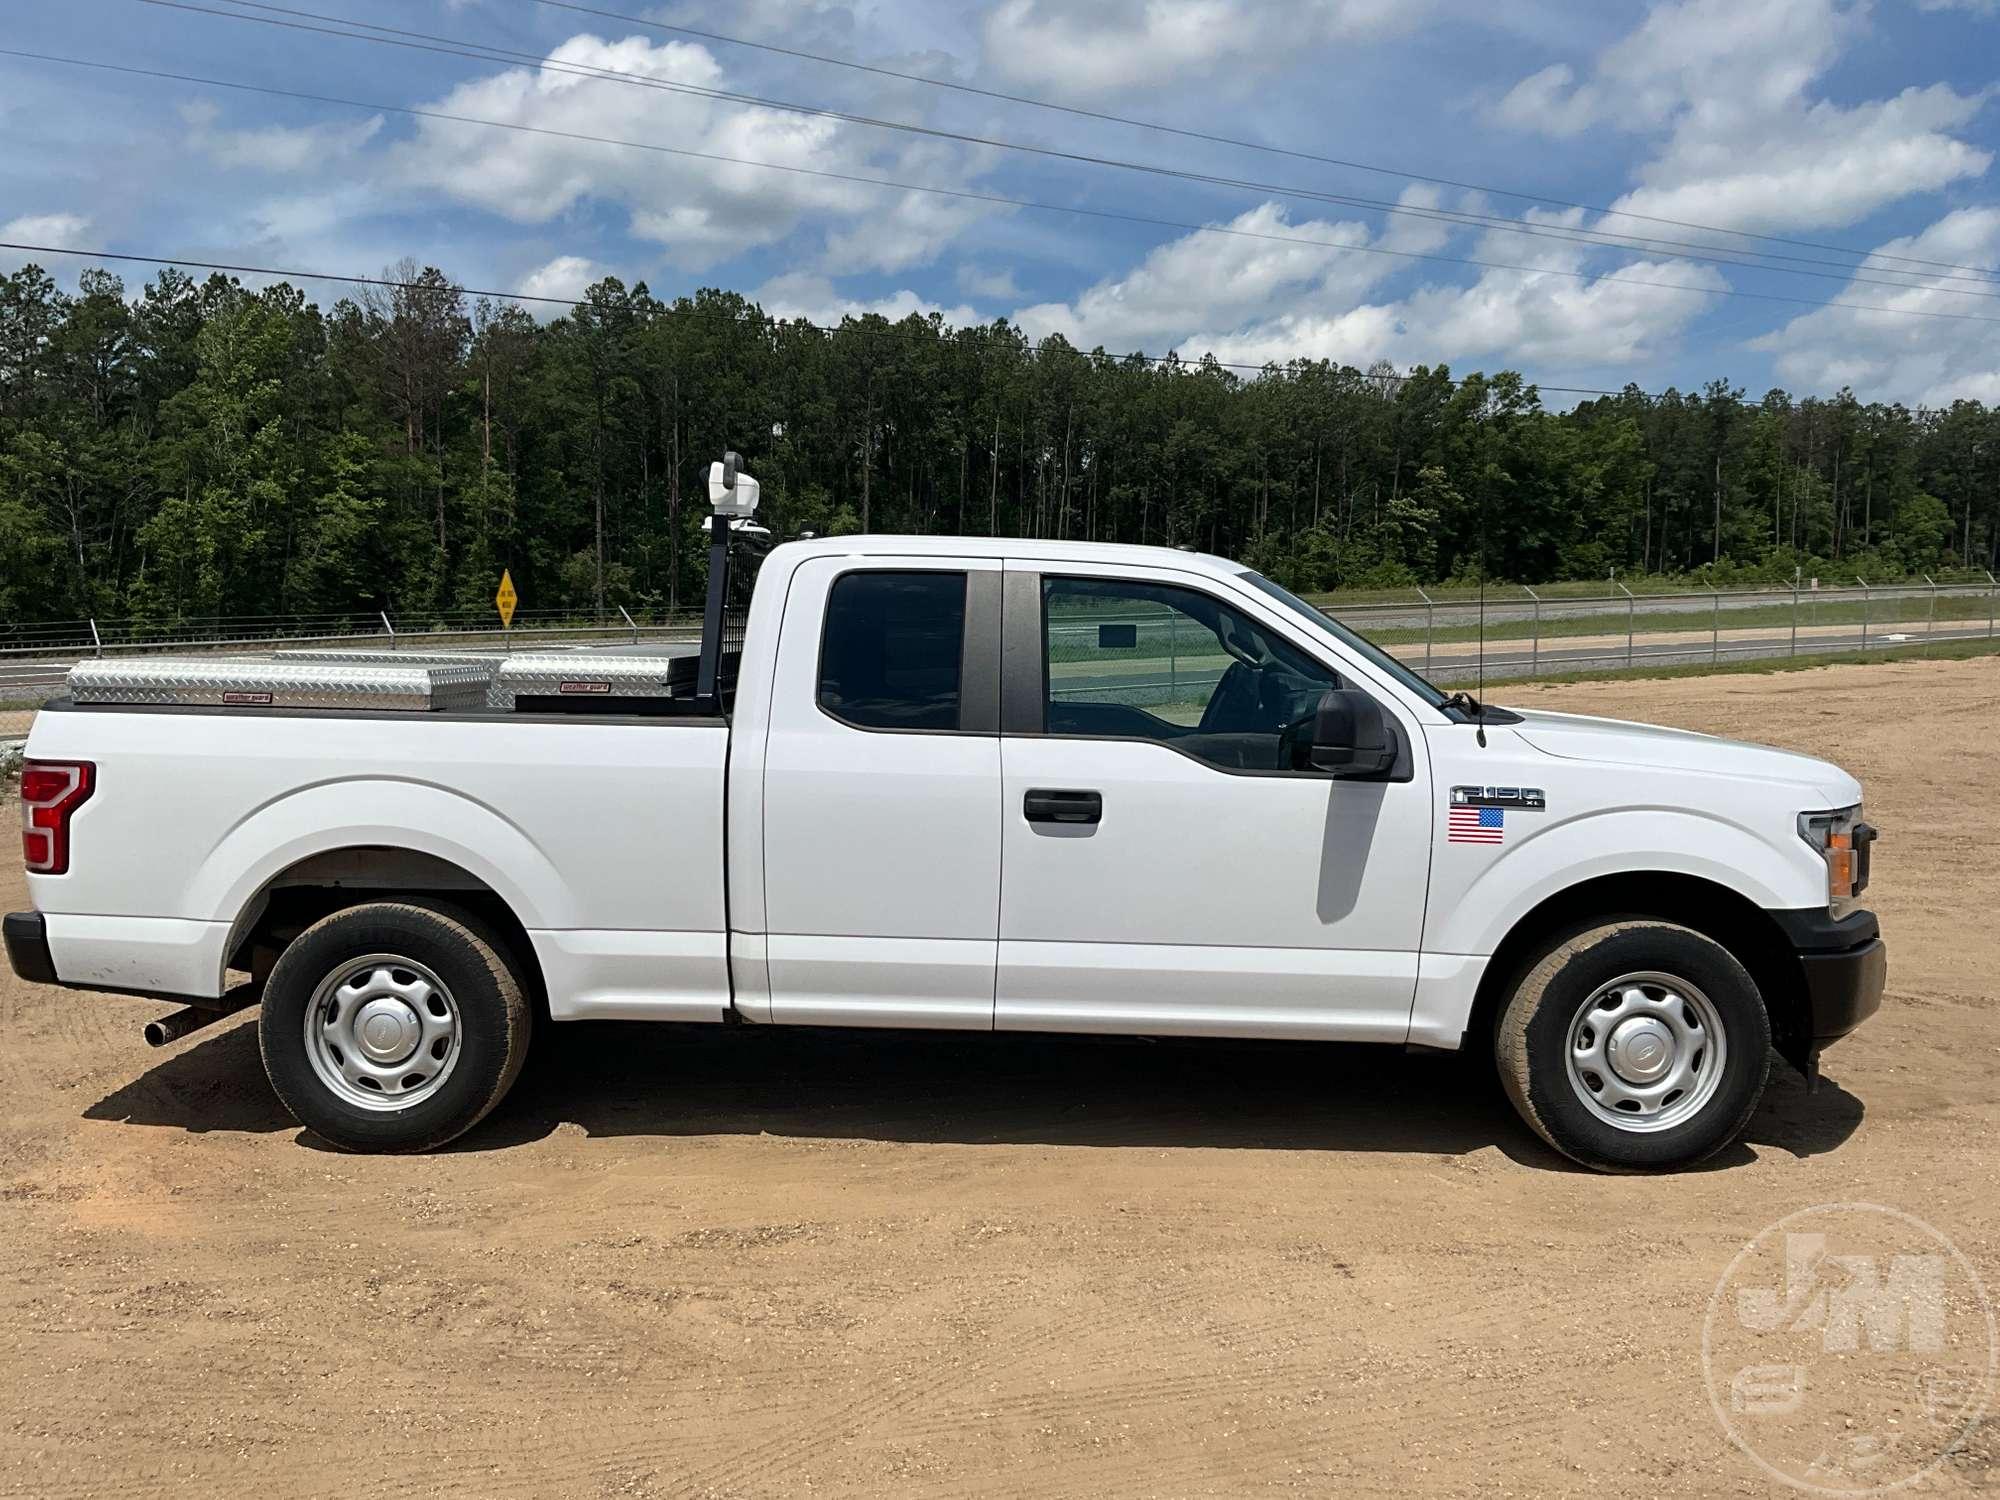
1842 840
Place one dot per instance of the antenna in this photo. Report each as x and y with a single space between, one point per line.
1482 633
1480 696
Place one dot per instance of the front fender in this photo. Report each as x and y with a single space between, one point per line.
1473 914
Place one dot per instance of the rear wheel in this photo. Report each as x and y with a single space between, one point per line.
393 1027
1635 1046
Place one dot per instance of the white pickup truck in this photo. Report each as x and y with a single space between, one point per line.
985 784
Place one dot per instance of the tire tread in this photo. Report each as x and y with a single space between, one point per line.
1512 1049
480 944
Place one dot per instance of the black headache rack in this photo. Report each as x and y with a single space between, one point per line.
671 680
736 550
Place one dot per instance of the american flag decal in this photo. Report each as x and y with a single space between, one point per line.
1475 825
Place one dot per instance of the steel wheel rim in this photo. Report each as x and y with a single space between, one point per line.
1646 1052
383 1032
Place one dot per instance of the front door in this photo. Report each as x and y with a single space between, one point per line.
881 788
1165 869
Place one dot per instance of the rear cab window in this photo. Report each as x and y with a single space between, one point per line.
893 650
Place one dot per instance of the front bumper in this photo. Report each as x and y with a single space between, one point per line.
1846 966
27 938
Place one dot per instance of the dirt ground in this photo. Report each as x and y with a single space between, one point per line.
690 1262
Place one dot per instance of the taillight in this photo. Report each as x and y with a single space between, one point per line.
50 791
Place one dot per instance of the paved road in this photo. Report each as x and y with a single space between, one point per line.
1507 604
1514 661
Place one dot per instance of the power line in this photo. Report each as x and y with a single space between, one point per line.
1237 142
668 310
484 52
481 51
1682 249
1000 199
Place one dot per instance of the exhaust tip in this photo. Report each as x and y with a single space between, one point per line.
184 1022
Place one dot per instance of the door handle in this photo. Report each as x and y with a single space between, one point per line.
1045 806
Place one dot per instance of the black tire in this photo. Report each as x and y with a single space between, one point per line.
490 1027
1532 1045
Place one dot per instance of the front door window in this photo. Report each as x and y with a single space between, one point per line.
1126 659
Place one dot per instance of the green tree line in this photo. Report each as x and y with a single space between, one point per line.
205 449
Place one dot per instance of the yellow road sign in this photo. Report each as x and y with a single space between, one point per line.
506 598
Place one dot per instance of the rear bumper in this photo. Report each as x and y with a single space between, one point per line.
27 938
1846 966
165 958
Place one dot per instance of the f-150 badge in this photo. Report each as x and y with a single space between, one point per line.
1530 798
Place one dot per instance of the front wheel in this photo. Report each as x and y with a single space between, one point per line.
393 1027
1635 1046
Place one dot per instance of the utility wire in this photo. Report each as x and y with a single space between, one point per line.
668 310
479 51
1724 255
1000 199
1225 140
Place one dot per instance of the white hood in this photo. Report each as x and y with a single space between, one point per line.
1579 737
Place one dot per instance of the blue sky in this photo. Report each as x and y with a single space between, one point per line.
1835 125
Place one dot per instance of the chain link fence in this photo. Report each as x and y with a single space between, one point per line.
1518 632
1154 657
1171 664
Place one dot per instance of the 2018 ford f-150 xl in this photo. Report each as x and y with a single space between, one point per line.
986 784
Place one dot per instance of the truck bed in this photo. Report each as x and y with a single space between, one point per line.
603 833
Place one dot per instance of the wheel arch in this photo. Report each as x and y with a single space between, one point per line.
331 880
1749 932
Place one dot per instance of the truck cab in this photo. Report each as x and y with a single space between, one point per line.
981 784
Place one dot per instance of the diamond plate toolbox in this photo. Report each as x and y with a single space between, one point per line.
415 657
242 682
580 674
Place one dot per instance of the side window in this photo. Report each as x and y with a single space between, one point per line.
1133 660
892 650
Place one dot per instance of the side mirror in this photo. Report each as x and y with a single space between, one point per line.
1352 737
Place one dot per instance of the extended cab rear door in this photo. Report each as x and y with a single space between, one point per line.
881 794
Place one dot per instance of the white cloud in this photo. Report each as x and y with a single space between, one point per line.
567 276
1220 280
1747 146
1821 165
1109 45
1250 301
1921 361
700 212
802 295
68 231
276 148
1549 103
995 285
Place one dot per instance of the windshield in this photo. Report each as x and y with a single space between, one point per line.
1414 681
